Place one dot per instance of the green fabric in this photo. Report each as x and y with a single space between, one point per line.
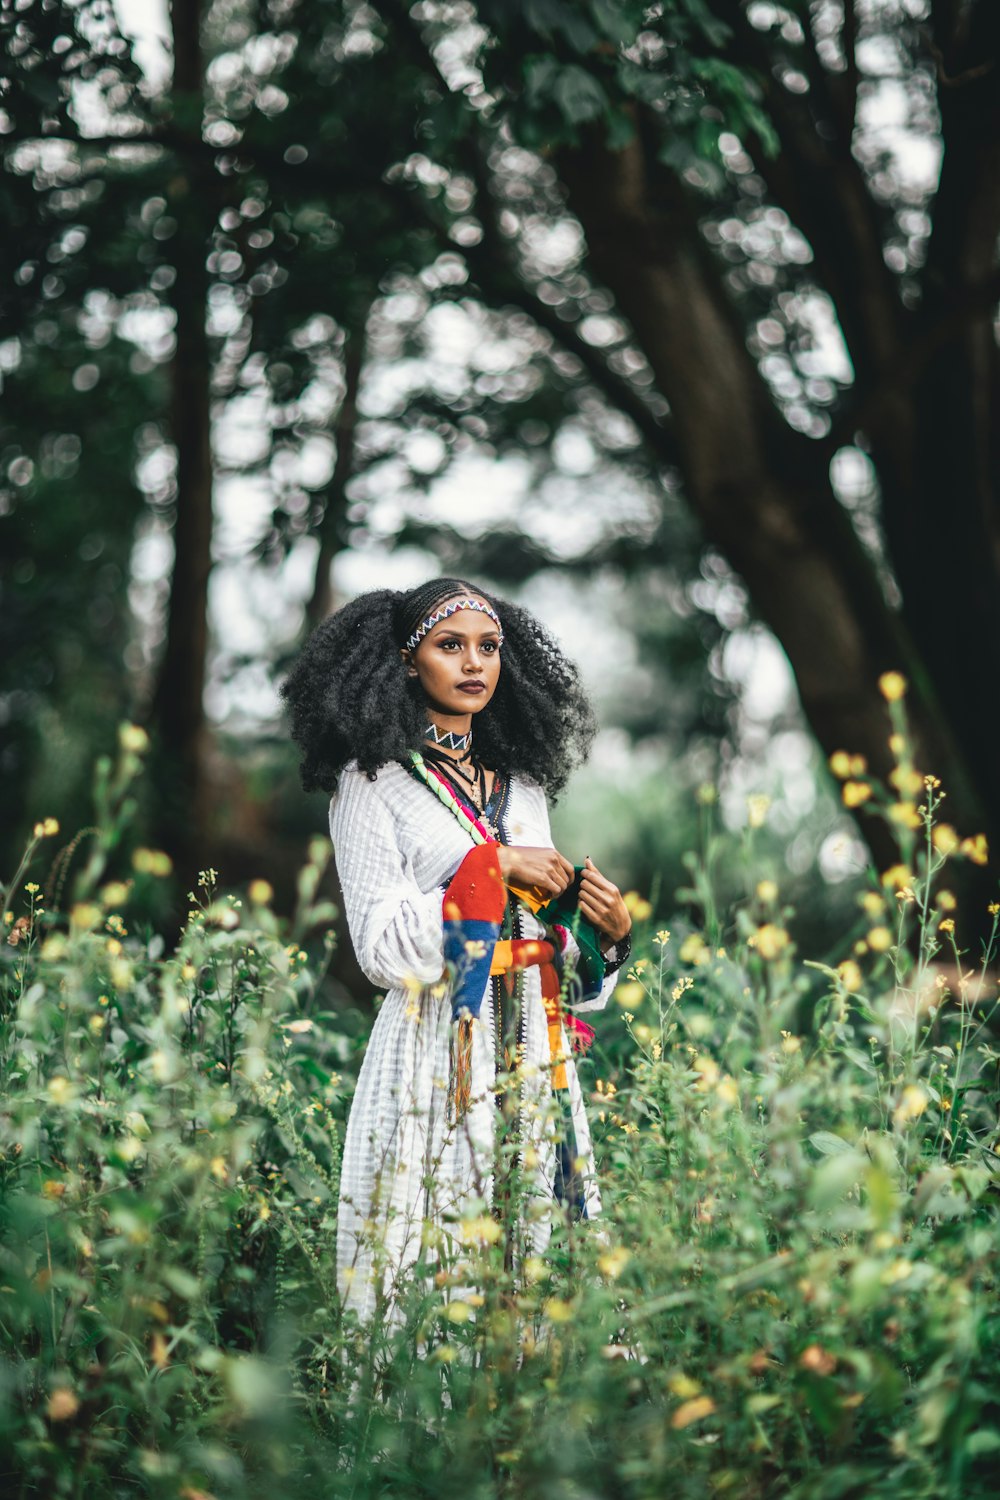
564 912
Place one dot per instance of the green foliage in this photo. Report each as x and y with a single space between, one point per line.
792 1288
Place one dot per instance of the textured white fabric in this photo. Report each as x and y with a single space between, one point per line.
408 1174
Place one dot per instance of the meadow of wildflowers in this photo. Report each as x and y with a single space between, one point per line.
792 1289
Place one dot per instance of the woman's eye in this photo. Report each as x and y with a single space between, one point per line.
490 647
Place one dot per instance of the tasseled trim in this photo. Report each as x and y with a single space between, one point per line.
553 1014
461 1068
580 1034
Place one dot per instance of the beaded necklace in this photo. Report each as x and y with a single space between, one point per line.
428 773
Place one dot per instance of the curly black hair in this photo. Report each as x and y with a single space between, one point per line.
349 697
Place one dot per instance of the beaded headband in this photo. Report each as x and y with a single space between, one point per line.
447 610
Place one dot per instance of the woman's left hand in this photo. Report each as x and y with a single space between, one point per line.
602 905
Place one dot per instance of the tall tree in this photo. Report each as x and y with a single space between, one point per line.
179 703
665 205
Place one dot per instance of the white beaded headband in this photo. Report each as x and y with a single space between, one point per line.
447 610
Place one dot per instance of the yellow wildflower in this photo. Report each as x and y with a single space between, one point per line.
708 1072
261 892
947 924
46 828
896 877
879 939
120 973
994 908
946 900
692 1411
906 780
905 814
790 1044
62 1405
694 950
767 891
854 793
858 765
662 938
945 839
61 1090
630 993
613 1262
817 1359
872 903
115 893
727 1092
151 862
892 686
706 794
683 1387
897 743
482 1231
557 1311
976 849
840 764
770 940
133 738
757 807
638 907
850 975
913 1101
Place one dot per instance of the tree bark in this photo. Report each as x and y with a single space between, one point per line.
761 492
331 528
179 699
943 527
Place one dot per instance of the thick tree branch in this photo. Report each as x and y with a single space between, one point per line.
823 190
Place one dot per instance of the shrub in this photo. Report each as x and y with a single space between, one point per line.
791 1291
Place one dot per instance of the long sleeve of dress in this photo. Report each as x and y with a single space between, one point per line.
395 927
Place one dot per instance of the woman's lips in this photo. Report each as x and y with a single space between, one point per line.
472 687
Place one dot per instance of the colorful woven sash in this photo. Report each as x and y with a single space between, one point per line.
472 913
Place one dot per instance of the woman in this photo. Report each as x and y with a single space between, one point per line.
438 719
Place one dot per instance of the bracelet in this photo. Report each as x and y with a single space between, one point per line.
620 955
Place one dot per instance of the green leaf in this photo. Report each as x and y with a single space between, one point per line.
829 1144
579 95
835 1177
987 1441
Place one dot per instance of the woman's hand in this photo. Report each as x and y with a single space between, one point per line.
602 905
546 869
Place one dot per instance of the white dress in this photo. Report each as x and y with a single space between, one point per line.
409 1175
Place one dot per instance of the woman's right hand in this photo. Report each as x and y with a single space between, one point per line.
546 869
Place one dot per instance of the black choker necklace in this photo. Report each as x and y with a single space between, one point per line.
448 738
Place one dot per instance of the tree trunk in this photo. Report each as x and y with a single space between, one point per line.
179 700
942 518
761 492
331 528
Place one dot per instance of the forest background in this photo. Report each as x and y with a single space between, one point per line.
675 321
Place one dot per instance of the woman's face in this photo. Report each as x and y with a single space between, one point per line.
458 663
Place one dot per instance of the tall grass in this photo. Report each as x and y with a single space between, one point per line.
792 1290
